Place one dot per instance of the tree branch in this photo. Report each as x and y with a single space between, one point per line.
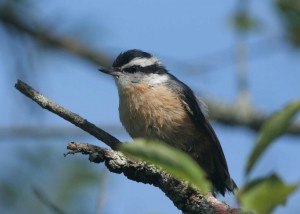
46 201
180 193
73 118
249 117
8 17
184 197
234 115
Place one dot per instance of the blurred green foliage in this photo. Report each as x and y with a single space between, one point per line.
289 11
244 23
273 128
64 181
264 194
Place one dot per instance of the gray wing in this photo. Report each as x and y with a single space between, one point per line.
194 110
200 120
220 178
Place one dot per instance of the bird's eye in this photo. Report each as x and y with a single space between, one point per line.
131 69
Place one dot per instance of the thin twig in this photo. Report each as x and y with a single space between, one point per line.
102 193
67 115
42 197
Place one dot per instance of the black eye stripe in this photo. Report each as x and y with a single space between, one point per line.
133 69
156 69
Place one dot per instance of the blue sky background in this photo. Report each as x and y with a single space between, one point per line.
175 31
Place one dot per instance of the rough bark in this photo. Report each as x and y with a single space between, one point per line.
184 197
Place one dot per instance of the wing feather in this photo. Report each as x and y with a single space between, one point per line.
194 110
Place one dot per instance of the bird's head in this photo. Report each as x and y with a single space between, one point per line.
136 66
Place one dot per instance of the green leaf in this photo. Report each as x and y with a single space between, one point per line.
264 194
244 23
272 129
289 11
170 159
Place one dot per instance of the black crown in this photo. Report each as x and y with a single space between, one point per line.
127 56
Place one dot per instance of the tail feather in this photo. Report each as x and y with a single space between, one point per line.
231 185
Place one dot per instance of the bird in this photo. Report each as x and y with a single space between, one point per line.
155 105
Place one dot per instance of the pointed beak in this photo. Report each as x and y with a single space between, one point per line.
111 71
106 71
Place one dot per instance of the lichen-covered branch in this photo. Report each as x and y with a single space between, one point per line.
183 196
73 118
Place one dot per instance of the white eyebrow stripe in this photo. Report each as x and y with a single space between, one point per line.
143 62
156 79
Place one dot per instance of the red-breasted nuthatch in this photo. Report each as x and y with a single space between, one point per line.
154 104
